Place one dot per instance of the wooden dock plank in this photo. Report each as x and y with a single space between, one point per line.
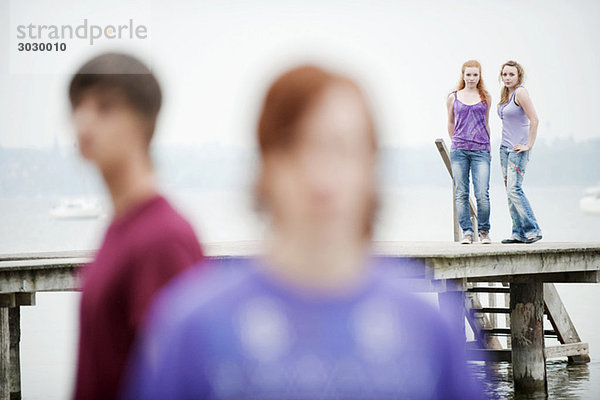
447 250
568 350
547 262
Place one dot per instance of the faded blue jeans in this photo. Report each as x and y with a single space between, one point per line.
513 169
477 163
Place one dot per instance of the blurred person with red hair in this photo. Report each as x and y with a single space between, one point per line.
315 316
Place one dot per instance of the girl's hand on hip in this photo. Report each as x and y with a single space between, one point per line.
521 147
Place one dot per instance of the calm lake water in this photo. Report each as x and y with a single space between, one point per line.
49 329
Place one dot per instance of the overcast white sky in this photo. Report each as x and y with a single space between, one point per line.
215 59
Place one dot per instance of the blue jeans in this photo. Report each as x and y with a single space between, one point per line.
477 162
513 169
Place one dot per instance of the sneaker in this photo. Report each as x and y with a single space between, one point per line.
484 237
467 238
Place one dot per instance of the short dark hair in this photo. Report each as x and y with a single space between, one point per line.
127 75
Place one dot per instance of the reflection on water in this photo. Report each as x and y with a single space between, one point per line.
565 381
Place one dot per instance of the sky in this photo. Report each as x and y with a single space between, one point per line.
215 60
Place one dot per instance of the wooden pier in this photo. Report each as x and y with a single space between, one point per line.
447 268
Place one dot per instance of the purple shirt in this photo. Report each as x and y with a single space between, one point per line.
515 124
234 332
470 131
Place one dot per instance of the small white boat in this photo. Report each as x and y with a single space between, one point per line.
78 208
590 201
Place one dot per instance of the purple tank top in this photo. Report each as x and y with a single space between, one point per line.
515 124
470 132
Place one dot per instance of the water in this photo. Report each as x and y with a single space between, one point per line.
49 329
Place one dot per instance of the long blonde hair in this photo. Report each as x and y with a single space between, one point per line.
483 94
504 98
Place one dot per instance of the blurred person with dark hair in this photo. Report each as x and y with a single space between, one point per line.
315 317
115 101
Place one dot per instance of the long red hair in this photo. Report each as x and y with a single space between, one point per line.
483 94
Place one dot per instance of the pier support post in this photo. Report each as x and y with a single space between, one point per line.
10 338
452 306
4 355
14 320
527 337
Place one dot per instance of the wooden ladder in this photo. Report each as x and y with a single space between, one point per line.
487 346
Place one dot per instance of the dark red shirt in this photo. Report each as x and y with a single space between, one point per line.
141 251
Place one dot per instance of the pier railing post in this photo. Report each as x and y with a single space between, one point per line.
445 154
527 337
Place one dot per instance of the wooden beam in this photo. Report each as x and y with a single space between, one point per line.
7 300
492 306
568 350
88 254
57 278
499 355
456 231
556 277
25 299
500 267
491 310
561 322
527 337
445 154
563 350
507 331
507 316
489 289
